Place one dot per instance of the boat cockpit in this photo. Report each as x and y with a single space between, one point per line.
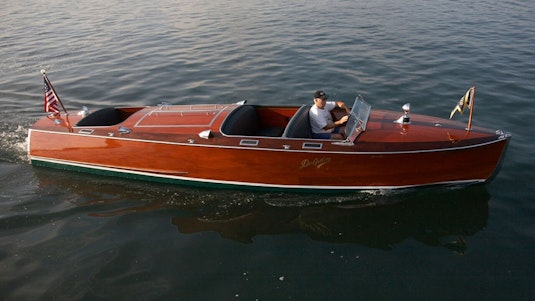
251 120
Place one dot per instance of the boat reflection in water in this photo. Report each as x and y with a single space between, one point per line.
435 216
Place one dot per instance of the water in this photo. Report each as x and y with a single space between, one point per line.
69 236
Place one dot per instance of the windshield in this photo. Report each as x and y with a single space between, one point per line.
358 118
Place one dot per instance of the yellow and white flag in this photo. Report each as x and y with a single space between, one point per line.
464 102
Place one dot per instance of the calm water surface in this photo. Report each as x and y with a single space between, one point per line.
69 236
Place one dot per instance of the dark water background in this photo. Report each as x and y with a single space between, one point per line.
69 236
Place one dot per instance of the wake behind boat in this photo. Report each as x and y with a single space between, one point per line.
267 147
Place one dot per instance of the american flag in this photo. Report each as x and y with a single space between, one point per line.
51 99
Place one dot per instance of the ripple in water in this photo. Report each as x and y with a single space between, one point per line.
13 134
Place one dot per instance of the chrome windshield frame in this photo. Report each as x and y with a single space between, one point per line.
358 118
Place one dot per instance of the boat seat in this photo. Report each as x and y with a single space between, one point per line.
243 121
299 125
102 117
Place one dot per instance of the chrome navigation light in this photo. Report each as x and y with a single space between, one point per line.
405 118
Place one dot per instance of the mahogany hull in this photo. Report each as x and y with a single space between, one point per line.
274 166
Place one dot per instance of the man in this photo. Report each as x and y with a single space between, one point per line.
321 120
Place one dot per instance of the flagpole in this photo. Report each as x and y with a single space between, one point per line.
43 72
67 122
472 97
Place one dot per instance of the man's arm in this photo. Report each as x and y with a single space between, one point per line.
337 123
342 105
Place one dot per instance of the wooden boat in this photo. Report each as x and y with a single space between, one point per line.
267 147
